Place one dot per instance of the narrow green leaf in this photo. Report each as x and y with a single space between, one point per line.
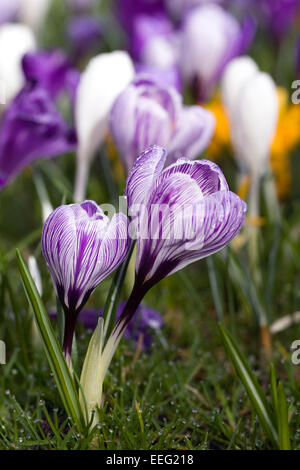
274 390
61 373
283 422
250 382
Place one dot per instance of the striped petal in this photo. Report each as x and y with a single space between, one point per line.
82 247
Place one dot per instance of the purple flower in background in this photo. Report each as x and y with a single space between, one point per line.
161 76
147 113
279 14
181 214
153 41
52 70
84 34
211 37
145 322
298 58
8 10
31 128
128 10
81 246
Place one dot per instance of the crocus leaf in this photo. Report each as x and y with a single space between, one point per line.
274 393
282 418
250 382
60 370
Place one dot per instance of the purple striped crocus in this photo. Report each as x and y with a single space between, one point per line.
81 246
31 128
180 214
148 113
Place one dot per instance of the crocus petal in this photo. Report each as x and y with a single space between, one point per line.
15 41
104 78
148 113
211 38
50 69
144 174
254 122
194 131
31 128
82 247
206 174
144 114
237 72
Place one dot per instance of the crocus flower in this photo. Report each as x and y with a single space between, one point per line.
251 101
145 322
211 37
177 8
104 78
147 113
15 41
279 15
153 41
31 128
128 10
34 12
8 10
84 35
52 70
81 246
181 214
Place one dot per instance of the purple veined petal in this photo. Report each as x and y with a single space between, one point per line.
137 121
31 128
169 76
208 176
201 229
160 223
144 174
144 114
194 131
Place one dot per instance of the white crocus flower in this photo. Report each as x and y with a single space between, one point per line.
104 78
35 273
33 12
251 102
15 41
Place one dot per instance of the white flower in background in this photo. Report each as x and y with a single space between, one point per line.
102 81
15 41
33 12
35 273
250 99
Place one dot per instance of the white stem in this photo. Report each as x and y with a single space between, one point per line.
81 179
254 213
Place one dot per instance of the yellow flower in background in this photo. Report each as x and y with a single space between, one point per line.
287 138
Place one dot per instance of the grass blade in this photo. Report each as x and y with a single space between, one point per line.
250 382
283 422
62 375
